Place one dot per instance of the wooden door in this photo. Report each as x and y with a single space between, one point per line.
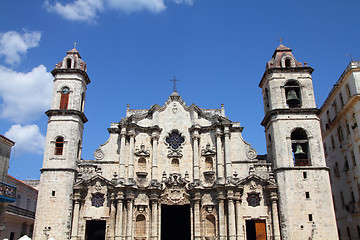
260 228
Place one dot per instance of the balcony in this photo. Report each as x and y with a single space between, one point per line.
20 211
7 193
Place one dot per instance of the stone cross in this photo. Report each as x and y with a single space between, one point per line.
75 43
174 83
280 40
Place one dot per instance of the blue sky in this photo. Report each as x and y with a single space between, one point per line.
217 48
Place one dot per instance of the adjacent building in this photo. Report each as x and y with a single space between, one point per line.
175 171
340 115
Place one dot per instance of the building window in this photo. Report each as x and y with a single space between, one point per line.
266 100
287 62
18 198
142 165
340 134
347 128
342 199
341 100
348 93
210 227
353 158
328 118
82 102
332 143
335 107
64 100
59 146
310 217
175 140
354 122
325 149
348 233
304 175
68 63
28 204
307 195
300 147
336 170
292 94
140 227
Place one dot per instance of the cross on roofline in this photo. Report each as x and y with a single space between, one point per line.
174 83
75 43
280 40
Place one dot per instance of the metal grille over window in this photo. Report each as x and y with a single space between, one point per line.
175 139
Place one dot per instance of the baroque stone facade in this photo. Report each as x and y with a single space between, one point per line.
183 172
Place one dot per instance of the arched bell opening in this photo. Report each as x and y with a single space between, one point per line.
300 147
293 94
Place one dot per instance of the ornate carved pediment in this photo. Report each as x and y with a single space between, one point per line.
175 191
208 151
97 181
142 152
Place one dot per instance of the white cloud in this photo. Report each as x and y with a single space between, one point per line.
28 139
80 10
24 95
190 2
87 10
129 6
14 44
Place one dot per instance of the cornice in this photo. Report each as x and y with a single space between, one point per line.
66 112
271 113
71 70
284 70
280 169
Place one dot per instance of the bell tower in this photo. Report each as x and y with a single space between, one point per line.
62 148
295 149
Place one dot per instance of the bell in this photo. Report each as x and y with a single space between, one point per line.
292 97
299 149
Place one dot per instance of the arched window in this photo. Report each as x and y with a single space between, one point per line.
300 147
175 164
64 100
287 62
142 164
140 231
59 146
266 100
68 63
208 164
210 224
293 94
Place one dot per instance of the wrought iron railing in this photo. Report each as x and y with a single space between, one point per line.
7 193
20 211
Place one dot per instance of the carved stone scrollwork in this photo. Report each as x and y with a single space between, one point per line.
253 199
208 151
97 199
175 191
99 154
251 154
142 152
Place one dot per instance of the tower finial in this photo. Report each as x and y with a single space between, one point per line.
280 40
174 83
351 57
75 43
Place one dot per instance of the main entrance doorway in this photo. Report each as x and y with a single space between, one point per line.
255 230
95 230
175 222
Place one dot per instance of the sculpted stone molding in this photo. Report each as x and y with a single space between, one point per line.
142 152
99 154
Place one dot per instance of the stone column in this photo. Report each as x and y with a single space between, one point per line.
221 213
112 220
239 228
122 154
154 198
75 220
275 216
197 224
129 222
155 138
219 159
227 152
131 154
196 163
231 215
119 216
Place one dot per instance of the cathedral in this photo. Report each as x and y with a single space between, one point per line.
183 172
